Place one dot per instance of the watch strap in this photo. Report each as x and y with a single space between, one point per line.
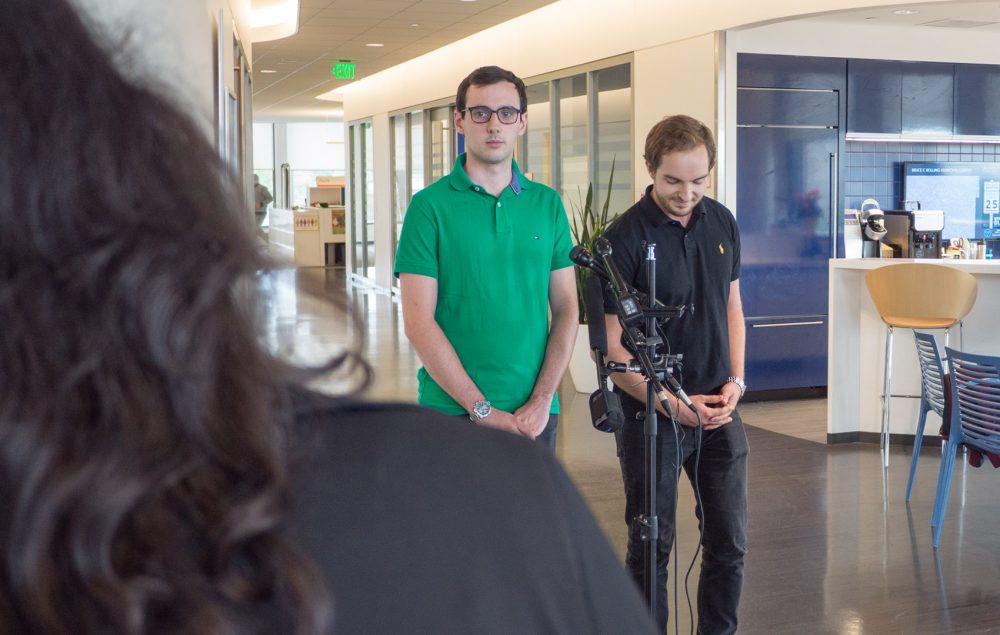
736 379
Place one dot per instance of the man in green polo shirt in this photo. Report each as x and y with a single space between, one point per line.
482 258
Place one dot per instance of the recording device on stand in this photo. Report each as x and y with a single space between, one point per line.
634 310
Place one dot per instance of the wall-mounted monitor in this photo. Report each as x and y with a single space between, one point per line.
969 194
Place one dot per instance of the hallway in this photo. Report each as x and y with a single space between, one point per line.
827 552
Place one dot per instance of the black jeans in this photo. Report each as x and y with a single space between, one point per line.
722 478
546 437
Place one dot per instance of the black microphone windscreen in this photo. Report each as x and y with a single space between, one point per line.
593 293
602 246
581 256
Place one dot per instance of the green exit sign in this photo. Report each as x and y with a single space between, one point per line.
343 70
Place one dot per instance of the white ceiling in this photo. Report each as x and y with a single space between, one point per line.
334 30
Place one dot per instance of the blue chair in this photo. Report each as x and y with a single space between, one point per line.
975 418
932 393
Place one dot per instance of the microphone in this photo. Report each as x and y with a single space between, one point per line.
675 388
594 295
629 309
603 247
605 406
583 258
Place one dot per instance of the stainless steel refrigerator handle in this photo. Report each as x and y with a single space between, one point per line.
771 326
834 203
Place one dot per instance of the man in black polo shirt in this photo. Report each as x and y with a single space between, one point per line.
698 265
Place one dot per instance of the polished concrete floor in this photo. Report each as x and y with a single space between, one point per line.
833 547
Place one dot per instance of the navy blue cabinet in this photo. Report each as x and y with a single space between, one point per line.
927 97
767 107
787 143
755 70
891 97
874 96
977 99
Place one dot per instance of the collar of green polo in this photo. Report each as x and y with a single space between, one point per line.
460 180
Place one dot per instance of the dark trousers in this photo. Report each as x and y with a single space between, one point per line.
722 479
548 435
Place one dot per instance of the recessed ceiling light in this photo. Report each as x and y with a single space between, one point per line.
374 44
414 25
904 12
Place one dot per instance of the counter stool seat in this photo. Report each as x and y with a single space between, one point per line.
918 323
916 296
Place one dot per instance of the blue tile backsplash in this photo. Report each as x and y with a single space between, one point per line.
875 169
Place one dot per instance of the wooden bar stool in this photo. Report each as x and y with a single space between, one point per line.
916 296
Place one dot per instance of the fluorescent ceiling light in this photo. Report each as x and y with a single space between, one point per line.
904 12
374 44
273 19
268 70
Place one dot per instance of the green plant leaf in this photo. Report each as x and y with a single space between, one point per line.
587 225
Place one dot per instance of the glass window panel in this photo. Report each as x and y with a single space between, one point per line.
614 138
538 138
267 180
316 146
400 199
417 181
263 147
573 117
369 174
441 129
357 200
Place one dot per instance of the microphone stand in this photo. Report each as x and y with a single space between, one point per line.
649 521
643 348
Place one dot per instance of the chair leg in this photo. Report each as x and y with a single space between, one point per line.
918 440
886 399
944 484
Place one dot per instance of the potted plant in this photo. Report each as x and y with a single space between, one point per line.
588 224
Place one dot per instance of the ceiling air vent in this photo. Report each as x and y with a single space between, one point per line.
957 24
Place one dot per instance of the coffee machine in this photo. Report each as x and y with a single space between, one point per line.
872 221
914 233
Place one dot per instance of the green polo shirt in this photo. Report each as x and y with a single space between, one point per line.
492 257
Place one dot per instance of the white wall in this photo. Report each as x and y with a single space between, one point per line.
663 85
170 45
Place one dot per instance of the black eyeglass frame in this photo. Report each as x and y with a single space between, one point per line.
472 116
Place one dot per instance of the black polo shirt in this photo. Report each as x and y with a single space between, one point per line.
694 267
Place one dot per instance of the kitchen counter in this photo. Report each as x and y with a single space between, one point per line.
857 349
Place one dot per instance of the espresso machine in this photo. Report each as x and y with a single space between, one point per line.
872 221
914 233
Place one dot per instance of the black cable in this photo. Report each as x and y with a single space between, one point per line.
678 438
701 523
697 494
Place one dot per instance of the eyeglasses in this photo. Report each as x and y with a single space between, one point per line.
482 114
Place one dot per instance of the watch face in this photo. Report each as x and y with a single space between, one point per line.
482 409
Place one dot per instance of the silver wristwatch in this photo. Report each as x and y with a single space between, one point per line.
735 379
480 410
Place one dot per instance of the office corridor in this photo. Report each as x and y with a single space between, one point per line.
833 547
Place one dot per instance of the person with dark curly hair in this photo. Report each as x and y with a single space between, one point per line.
162 472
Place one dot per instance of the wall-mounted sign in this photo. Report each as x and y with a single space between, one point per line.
343 70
